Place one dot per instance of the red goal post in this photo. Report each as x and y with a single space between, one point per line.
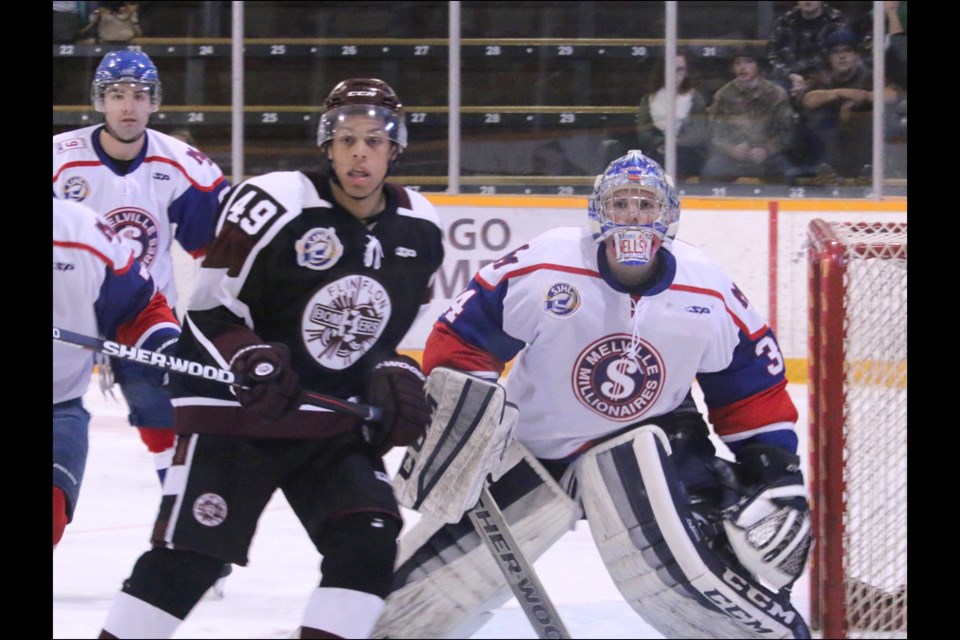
857 355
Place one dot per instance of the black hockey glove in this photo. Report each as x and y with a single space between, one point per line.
769 526
397 387
274 387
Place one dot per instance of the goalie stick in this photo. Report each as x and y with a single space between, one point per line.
173 364
490 524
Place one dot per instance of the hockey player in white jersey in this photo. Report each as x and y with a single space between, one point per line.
99 289
610 327
151 188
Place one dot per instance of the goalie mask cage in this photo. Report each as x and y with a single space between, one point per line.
857 355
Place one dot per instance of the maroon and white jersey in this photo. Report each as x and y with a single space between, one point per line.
170 190
290 265
594 357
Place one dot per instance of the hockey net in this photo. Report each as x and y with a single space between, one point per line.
857 274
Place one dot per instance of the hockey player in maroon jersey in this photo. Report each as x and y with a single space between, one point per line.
311 283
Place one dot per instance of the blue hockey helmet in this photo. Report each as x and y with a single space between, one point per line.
636 202
132 67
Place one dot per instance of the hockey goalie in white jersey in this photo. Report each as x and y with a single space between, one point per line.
611 326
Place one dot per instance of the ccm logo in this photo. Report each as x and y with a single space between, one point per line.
403 252
361 93
161 176
696 309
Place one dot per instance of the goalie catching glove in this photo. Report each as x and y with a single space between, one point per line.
397 387
273 386
769 526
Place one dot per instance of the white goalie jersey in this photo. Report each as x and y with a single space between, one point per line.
597 357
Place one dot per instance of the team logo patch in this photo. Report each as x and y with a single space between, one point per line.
610 381
562 300
71 144
210 510
76 189
319 249
343 320
137 229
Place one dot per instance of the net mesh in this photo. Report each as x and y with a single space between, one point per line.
874 261
875 366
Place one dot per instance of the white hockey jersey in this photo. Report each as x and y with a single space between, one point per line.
593 357
99 289
170 190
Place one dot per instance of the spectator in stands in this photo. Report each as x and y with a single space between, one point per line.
751 126
68 19
794 49
896 42
692 122
837 108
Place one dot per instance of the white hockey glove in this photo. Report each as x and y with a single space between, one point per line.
769 526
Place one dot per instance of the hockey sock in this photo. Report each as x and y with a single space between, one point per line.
59 515
160 443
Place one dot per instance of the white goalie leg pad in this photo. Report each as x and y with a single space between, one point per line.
661 562
442 474
451 580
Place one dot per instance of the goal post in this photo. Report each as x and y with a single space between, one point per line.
857 358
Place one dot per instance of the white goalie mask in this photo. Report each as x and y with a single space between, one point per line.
635 202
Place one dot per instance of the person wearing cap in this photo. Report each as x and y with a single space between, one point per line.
310 284
751 123
793 50
836 109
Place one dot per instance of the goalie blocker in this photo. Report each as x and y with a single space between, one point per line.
467 438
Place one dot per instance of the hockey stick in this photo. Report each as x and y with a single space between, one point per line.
173 364
490 524
486 515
